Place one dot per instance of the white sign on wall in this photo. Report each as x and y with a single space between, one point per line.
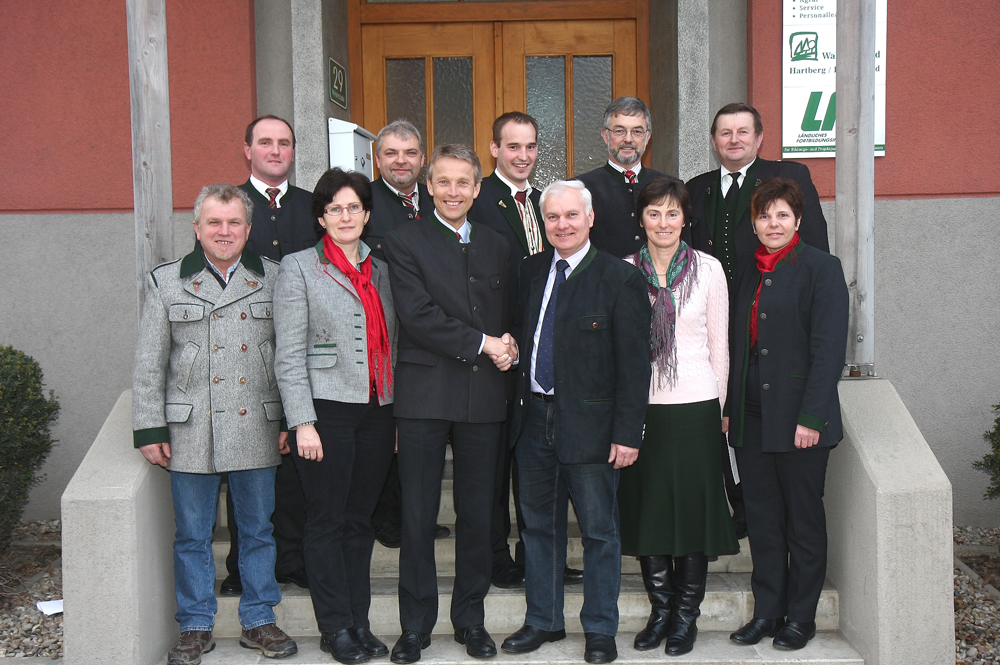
809 79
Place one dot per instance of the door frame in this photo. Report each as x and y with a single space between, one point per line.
360 12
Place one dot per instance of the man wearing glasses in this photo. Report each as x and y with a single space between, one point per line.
616 185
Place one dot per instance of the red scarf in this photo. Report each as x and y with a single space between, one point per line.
379 350
766 263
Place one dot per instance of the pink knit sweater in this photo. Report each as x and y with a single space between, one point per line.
702 338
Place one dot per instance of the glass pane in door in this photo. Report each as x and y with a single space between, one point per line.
545 81
591 95
406 92
453 118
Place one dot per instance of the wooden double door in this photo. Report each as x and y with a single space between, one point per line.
453 79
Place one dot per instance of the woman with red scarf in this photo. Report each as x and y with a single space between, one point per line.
788 336
335 335
672 501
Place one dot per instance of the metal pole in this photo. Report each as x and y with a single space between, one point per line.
150 102
855 204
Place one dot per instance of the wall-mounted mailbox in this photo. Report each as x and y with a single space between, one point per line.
351 147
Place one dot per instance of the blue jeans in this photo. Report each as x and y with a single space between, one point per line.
545 486
195 498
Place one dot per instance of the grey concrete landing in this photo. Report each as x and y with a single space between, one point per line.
712 648
728 605
385 561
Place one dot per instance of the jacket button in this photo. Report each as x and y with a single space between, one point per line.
475 368
767 282
475 308
275 242
215 316
243 412
710 243
763 315
273 218
465 250
378 246
243 347
472 279
766 386
763 352
243 315
243 379
215 347
215 379
594 324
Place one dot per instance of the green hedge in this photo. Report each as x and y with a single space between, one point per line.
25 440
991 460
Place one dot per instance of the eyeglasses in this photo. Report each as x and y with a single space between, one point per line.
636 132
337 211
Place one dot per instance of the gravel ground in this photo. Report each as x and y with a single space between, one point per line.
33 572
24 631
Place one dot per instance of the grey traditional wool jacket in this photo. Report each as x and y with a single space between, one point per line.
203 378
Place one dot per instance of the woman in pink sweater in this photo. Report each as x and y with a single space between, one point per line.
672 501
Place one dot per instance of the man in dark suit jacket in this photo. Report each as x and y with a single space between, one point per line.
720 215
282 224
449 282
508 204
615 186
720 222
398 196
583 319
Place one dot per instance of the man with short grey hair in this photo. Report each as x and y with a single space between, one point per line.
205 402
616 185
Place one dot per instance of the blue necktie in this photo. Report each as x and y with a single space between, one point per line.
544 372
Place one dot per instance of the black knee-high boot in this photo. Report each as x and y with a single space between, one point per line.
690 575
657 578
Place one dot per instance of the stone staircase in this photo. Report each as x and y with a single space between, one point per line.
728 604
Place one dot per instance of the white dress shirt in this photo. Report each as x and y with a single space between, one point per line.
727 181
262 186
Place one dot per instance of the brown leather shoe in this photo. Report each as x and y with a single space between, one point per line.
190 646
271 641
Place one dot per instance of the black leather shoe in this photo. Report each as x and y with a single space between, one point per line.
231 586
441 531
572 576
528 638
390 535
507 574
408 646
343 647
794 635
297 577
477 641
600 648
756 630
372 645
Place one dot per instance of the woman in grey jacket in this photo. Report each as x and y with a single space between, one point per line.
335 330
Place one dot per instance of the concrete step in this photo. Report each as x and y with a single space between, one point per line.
385 561
711 648
728 605
446 514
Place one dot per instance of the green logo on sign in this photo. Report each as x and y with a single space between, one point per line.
804 46
338 84
810 119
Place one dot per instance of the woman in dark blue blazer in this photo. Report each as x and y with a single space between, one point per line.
788 336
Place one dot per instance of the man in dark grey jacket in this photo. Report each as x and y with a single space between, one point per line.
205 402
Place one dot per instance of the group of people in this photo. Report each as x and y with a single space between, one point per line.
600 341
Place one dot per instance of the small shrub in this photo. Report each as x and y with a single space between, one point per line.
25 417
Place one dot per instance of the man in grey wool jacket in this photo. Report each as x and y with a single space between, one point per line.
204 402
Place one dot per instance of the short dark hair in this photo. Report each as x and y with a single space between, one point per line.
631 106
456 151
661 188
777 189
739 107
515 117
248 139
330 184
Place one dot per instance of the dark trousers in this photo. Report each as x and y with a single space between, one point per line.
288 519
506 479
387 511
421 463
340 494
786 521
546 485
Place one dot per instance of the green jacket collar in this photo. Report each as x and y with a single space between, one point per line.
194 263
363 251
453 234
